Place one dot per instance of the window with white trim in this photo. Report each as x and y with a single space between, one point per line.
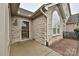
55 23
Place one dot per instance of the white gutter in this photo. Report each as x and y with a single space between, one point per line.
50 5
46 7
43 13
46 25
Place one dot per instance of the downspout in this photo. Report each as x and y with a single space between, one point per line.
46 25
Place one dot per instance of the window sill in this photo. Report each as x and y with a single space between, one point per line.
55 35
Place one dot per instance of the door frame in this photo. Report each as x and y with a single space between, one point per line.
21 31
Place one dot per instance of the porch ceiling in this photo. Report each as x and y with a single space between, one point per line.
14 8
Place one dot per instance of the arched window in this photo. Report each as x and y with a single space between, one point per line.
55 23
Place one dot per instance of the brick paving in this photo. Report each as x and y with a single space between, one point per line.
66 47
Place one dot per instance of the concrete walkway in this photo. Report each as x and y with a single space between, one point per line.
31 48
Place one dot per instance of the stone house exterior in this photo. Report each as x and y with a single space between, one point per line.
72 23
46 25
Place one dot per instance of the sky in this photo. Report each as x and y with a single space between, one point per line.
34 6
74 8
31 6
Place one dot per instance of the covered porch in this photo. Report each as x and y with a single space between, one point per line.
31 48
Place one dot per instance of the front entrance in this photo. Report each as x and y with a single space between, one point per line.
25 29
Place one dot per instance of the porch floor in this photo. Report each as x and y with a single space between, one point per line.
31 48
66 47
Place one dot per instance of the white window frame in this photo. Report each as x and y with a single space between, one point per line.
55 23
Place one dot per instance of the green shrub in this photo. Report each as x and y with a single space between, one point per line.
76 30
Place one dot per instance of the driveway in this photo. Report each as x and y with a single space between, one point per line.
66 47
31 48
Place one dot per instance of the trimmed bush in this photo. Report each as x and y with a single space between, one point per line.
77 32
77 29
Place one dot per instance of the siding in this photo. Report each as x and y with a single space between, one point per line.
4 29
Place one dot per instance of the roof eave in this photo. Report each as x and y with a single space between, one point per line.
43 7
69 9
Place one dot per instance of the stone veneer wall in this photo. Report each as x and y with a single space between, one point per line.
39 29
16 30
67 14
50 38
71 27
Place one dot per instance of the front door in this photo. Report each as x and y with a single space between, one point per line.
25 29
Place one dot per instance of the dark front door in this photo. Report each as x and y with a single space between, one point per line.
25 29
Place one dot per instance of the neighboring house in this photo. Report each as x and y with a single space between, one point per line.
72 23
46 25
